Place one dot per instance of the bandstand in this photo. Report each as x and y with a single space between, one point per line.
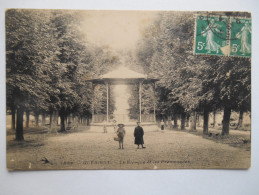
123 76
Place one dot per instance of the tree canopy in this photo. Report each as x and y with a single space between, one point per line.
191 82
48 62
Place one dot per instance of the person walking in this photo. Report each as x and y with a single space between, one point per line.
121 133
138 134
162 125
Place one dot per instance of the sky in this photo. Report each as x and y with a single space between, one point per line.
119 30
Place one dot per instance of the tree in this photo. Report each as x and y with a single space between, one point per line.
46 64
234 82
30 51
80 60
193 82
173 63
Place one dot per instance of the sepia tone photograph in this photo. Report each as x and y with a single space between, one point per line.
127 89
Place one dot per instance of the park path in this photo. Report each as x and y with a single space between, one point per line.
91 149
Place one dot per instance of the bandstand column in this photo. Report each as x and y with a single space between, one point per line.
140 99
107 102
154 89
93 100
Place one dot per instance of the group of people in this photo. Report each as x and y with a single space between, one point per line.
138 134
169 124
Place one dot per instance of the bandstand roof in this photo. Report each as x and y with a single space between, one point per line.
123 75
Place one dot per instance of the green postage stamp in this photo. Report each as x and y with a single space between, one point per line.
240 40
222 35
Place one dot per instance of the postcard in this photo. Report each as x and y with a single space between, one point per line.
103 89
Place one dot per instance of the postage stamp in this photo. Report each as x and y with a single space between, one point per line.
240 40
211 35
223 36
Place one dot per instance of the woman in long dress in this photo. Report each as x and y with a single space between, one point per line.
211 45
138 134
243 36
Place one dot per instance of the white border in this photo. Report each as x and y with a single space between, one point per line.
136 182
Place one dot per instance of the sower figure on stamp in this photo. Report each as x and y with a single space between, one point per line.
211 44
121 133
243 36
138 134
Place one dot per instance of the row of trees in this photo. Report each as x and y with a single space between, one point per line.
191 83
47 64
48 61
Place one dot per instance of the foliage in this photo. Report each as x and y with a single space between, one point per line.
48 62
189 82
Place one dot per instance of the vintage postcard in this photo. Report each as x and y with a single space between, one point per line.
127 89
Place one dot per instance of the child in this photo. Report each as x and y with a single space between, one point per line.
121 133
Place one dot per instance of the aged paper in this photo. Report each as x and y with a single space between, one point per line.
128 89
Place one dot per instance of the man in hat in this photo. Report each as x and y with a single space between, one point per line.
138 134
121 133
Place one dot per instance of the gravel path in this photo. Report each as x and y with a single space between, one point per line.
91 149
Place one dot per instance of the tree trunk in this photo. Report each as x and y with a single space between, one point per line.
205 121
43 118
183 116
53 121
66 120
198 120
13 117
56 118
240 120
27 118
226 120
50 118
62 121
194 119
81 120
175 121
88 121
19 125
214 119
36 119
187 121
